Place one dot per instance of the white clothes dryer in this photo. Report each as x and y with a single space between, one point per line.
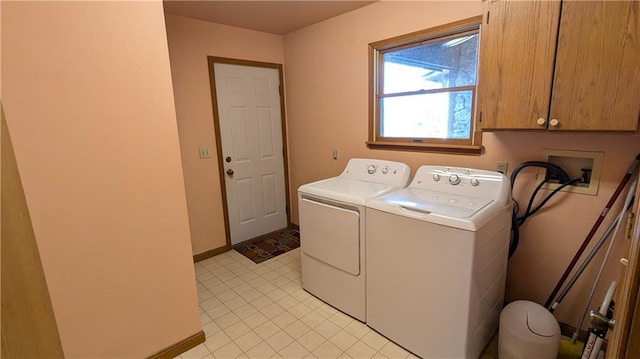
332 230
437 259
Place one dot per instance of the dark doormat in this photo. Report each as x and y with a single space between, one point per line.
270 245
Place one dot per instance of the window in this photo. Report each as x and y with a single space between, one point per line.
423 89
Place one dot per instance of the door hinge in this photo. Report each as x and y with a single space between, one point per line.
286 209
488 13
480 117
280 90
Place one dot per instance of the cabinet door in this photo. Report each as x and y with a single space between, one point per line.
597 74
518 42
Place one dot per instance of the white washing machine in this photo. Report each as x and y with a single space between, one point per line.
437 259
332 230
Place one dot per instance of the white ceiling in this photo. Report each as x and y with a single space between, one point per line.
276 17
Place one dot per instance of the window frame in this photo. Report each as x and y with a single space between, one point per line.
377 49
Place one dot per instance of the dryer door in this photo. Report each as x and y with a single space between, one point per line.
331 234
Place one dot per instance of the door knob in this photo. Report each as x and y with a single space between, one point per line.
541 121
230 172
554 122
228 159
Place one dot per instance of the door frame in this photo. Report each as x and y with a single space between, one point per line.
212 60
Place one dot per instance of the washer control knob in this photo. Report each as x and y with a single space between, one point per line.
385 170
474 182
454 179
371 169
436 177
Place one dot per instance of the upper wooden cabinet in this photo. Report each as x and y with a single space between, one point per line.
575 69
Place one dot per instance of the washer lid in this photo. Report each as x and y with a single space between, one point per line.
346 190
442 203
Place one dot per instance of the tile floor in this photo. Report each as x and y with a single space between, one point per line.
253 310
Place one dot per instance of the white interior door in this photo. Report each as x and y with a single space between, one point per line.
251 137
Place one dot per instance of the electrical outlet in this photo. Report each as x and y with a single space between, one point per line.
502 167
205 152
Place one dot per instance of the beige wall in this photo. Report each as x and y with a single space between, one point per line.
89 105
190 42
326 91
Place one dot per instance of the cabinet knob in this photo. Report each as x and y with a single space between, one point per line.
541 121
554 122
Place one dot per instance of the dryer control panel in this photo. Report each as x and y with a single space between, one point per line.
378 171
463 181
